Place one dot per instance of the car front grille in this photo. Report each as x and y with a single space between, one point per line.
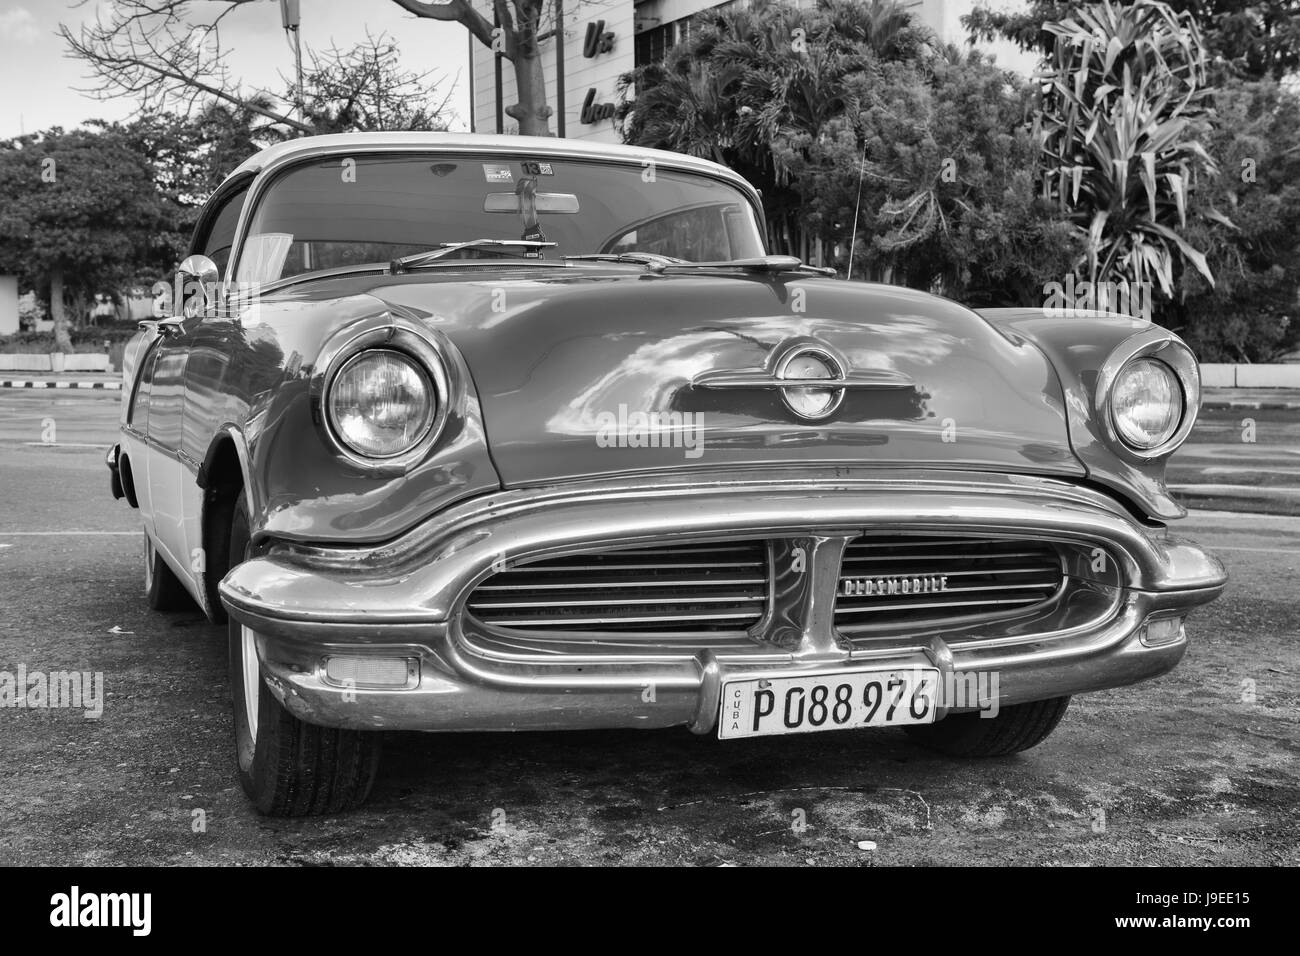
676 588
904 582
898 584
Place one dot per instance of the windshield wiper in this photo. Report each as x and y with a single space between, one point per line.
398 266
657 263
757 264
652 259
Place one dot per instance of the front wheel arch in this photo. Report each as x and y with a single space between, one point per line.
128 481
222 478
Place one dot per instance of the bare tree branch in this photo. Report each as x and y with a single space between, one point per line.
454 11
519 22
150 49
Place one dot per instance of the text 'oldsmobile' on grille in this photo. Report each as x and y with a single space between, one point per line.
467 433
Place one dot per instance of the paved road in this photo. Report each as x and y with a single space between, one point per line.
1191 769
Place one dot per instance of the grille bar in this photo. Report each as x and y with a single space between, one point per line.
939 604
603 601
559 568
592 581
690 588
931 557
660 622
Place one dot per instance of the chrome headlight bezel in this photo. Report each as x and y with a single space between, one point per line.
413 346
411 367
1160 346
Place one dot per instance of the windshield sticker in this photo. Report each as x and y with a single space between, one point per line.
531 168
497 173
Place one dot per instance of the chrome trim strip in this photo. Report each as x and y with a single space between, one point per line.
759 378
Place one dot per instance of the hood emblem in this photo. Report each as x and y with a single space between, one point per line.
811 377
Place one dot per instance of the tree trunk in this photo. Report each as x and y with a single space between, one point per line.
531 112
80 310
59 312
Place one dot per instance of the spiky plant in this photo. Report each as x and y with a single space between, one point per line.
1122 107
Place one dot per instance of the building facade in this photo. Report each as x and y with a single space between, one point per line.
604 39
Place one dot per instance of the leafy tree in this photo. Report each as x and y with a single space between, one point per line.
78 215
936 164
187 158
1249 38
191 155
1250 313
750 78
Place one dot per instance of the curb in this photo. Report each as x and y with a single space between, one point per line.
1275 506
27 383
1253 406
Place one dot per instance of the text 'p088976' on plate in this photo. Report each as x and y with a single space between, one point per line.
844 700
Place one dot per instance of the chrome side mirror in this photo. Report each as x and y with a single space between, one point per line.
197 279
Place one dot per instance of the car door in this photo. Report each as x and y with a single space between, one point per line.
178 429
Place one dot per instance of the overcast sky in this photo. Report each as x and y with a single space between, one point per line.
39 83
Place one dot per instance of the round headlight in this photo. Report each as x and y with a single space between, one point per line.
1146 404
381 403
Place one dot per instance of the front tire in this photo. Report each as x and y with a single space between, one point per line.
1015 728
287 767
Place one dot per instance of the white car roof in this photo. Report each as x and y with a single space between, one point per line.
541 146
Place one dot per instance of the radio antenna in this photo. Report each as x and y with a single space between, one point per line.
857 206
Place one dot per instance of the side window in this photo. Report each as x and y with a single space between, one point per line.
695 233
221 230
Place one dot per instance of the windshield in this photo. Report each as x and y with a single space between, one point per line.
347 211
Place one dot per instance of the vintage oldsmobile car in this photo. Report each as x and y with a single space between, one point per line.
469 433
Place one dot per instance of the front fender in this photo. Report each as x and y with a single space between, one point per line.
300 487
1078 348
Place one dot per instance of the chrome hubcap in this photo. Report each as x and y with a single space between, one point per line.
252 677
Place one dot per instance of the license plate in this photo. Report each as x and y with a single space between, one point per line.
762 706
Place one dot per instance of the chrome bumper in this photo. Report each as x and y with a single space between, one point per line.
405 599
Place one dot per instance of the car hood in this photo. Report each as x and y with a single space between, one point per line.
600 371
